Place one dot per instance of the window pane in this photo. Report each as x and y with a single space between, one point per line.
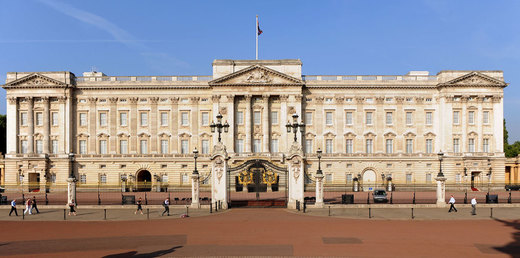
471 117
369 118
349 146
103 147
39 146
328 118
144 146
164 146
348 118
274 145
240 117
24 146
23 118
456 117
389 146
388 118
308 146
122 119
256 145
257 117
82 119
471 145
239 146
328 146
274 117
123 144
456 147
429 118
54 146
82 147
184 147
103 119
54 118
164 118
205 118
409 118
39 118
184 118
144 119
409 145
205 146
368 146
429 146
485 117
308 118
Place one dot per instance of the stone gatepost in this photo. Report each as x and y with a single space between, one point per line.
441 191
195 191
295 180
71 189
219 191
319 191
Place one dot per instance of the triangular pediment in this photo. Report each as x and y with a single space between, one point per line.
256 75
475 79
35 80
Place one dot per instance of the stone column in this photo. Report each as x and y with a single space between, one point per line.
319 191
153 123
265 123
132 140
92 123
195 122
175 124
284 143
216 110
295 180
248 122
231 121
441 191
319 122
340 125
195 191
219 191
30 123
46 125
12 126
112 123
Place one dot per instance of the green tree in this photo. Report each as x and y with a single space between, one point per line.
510 150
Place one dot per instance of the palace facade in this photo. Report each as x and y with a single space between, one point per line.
114 130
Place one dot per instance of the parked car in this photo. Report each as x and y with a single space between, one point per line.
379 196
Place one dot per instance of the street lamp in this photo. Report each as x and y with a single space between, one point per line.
195 156
489 173
319 172
295 126
383 179
440 154
219 126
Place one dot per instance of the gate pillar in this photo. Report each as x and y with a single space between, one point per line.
296 175
219 167
319 191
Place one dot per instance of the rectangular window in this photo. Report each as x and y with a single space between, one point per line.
328 118
350 146
368 118
408 178
274 117
144 146
54 118
82 147
39 146
144 118
349 178
456 117
457 178
274 145
328 178
184 119
428 178
409 118
123 146
429 118
409 145
308 146
185 148
368 145
164 118
308 118
82 119
24 146
485 117
164 147
54 147
471 117
239 146
257 118
389 118
205 147
205 118
348 118
471 145
102 119
389 146
83 179
485 145
123 119
257 145
328 146
103 178
102 147
429 145
39 118
456 146
240 118
23 118
185 178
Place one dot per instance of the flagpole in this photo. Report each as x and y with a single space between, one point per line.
256 37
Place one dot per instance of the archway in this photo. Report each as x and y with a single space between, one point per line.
369 180
144 181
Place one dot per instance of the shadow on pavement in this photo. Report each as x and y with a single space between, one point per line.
151 254
512 248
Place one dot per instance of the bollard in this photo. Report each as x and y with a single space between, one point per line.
98 199
412 214
216 206
105 217
210 207
368 198
145 199
414 197
491 216
47 199
392 197
466 198
187 210
304 206
369 212
329 211
147 213
64 214
509 199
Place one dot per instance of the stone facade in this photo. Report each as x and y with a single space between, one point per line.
371 127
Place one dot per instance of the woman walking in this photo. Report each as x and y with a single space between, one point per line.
139 207
28 206
72 206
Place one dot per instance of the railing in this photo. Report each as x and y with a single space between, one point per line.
144 78
369 78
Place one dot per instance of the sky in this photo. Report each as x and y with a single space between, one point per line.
129 37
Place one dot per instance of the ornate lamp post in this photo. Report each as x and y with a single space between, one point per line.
295 126
441 155
441 183
219 126
71 181
489 173
195 182
319 172
319 182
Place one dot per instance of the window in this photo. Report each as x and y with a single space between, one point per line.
485 117
39 146
408 178
429 118
308 146
164 118
388 118
428 178
389 146
350 147
274 117
54 118
456 117
184 118
308 118
328 178
164 147
409 145
83 179
185 148
123 146
205 147
409 118
39 118
368 145
457 178
456 146
205 118
471 145
144 118
23 118
185 178
368 119
123 117
239 146
349 178
102 119
240 118
82 147
348 118
102 147
82 119
485 145
429 146
54 147
257 145
274 145
328 146
103 178
144 146
165 178
328 118
471 117
257 117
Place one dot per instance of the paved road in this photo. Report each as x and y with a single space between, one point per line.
262 232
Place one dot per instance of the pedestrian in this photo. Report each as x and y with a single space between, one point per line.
28 206
452 204
72 207
34 205
13 208
166 205
474 206
139 206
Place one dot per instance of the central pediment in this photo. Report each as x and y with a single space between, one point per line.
257 75
36 80
475 79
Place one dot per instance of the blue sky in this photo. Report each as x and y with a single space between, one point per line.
330 37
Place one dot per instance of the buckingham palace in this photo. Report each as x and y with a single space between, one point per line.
110 130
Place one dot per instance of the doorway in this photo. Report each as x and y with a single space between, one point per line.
144 181
34 182
369 180
475 180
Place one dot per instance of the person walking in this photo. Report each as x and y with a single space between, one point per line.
166 205
474 206
34 205
72 207
139 206
452 204
13 208
28 206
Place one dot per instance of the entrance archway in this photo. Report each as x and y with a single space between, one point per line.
144 181
369 180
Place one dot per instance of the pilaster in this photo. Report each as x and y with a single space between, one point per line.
30 123
248 124
265 123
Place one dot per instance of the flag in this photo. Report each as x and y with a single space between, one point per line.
258 26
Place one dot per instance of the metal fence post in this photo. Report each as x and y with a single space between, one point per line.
413 197
105 216
491 215
412 214
465 197
210 207
368 198
329 211
392 197
187 210
369 212
145 199
64 214
147 213
509 198
46 199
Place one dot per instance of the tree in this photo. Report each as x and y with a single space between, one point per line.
512 150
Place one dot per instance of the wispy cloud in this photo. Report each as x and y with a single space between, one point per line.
16 41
